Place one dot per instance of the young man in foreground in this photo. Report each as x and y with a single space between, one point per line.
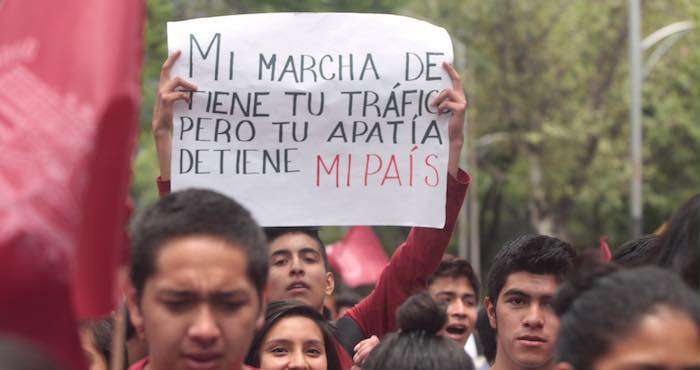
199 267
523 278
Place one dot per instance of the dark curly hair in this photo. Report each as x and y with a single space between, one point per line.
599 305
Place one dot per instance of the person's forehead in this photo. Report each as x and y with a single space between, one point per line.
530 284
295 328
191 263
192 249
294 242
661 339
448 284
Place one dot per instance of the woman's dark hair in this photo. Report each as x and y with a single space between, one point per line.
599 304
417 346
637 252
279 310
679 246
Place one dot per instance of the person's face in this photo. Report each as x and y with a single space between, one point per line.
461 301
295 342
663 340
526 326
297 271
198 310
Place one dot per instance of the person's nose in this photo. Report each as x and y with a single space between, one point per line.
297 266
204 328
535 316
457 308
298 361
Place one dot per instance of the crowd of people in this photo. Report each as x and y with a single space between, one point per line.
211 290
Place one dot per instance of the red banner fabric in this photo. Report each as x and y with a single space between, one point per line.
69 99
359 258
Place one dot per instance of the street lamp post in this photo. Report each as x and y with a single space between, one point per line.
669 35
636 117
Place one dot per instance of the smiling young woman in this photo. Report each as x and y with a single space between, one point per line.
294 336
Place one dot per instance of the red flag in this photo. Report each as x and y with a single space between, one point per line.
69 96
359 258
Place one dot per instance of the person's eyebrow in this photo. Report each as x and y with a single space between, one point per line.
186 294
176 293
230 294
307 250
515 292
446 293
281 252
314 342
277 342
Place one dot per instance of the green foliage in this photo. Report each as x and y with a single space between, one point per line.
155 51
550 78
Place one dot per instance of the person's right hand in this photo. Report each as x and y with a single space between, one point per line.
169 91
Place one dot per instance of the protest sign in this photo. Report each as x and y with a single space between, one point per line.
315 118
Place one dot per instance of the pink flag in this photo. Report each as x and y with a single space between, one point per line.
359 258
604 250
69 98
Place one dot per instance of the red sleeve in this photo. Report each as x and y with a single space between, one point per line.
410 265
163 187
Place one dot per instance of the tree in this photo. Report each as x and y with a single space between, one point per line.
548 87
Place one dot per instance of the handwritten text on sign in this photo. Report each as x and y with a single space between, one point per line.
315 119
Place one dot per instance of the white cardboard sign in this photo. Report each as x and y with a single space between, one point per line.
315 118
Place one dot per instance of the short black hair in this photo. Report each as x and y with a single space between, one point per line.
279 310
417 345
197 212
273 233
536 254
599 305
455 267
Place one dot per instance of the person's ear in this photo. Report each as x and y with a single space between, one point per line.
490 311
330 284
133 305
